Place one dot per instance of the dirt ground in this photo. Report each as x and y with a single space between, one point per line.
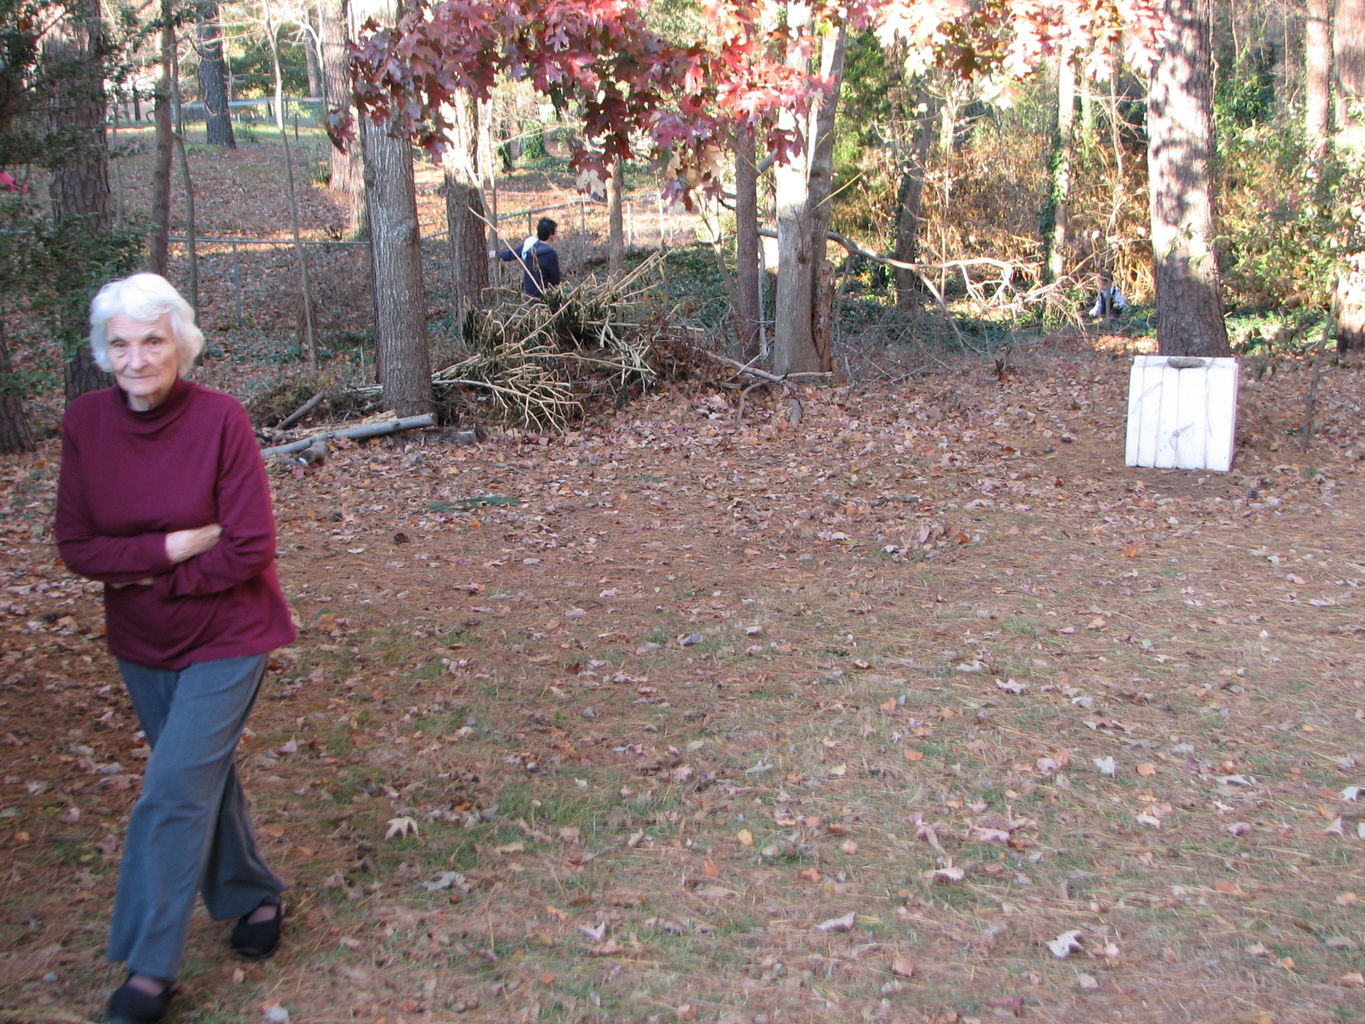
894 703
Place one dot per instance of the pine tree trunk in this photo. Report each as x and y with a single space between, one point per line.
74 54
159 243
213 92
1189 302
15 435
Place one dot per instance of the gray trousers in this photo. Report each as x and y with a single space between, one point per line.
190 829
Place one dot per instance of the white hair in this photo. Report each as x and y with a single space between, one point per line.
145 298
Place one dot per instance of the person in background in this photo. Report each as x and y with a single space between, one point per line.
1109 302
163 498
538 259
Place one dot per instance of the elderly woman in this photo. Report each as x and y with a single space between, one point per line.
163 498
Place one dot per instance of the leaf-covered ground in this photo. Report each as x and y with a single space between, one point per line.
920 707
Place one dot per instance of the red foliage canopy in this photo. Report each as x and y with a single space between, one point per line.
639 94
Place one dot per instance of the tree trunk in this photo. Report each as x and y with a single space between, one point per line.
910 202
1058 209
213 91
15 435
748 307
73 54
802 187
311 56
466 218
74 57
401 355
821 184
1317 73
616 225
159 244
1350 301
272 38
348 172
1189 302
1348 35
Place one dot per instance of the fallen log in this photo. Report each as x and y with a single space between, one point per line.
301 411
357 433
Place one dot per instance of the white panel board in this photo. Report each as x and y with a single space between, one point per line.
1182 413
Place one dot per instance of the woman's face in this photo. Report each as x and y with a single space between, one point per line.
144 357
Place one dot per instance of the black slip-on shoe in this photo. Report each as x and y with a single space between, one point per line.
129 1005
256 940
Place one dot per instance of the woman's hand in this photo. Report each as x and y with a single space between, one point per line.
183 544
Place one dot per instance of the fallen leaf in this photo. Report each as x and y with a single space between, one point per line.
902 966
745 837
1066 944
1355 979
1086 982
838 924
401 826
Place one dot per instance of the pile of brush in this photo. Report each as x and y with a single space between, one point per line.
543 362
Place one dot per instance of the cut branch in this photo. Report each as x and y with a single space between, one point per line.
771 378
357 433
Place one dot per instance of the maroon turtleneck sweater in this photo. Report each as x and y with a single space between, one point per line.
128 478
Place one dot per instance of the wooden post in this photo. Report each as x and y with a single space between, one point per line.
236 285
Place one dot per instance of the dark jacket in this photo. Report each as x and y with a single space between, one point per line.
540 268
